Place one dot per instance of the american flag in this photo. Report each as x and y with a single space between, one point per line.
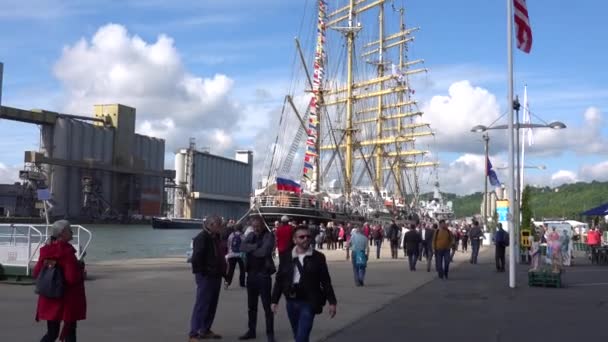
522 22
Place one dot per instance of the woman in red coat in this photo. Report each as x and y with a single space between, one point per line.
72 306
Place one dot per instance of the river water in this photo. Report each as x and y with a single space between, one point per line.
117 242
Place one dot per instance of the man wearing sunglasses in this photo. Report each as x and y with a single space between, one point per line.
303 277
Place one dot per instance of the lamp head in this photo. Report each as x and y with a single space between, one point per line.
557 125
479 129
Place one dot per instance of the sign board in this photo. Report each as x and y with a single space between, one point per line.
43 194
502 210
564 231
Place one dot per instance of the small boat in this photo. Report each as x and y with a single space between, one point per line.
176 223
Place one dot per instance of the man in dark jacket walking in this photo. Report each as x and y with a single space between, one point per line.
394 232
260 266
303 278
208 266
427 245
501 240
411 244
475 234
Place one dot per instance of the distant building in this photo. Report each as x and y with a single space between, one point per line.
208 184
95 167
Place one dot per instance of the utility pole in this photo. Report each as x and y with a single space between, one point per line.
511 216
517 198
1 76
486 139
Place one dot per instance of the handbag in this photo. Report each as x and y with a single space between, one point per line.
50 281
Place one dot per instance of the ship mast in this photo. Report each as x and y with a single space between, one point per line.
379 149
375 104
397 172
350 42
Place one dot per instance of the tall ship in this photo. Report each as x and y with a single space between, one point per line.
349 138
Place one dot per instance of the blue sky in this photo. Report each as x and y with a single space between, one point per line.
251 42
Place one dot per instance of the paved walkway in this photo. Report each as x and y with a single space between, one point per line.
151 300
477 305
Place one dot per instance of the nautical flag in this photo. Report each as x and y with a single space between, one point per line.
522 23
491 174
287 185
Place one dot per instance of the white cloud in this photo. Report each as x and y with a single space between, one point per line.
453 116
465 175
172 103
563 177
585 138
9 174
598 172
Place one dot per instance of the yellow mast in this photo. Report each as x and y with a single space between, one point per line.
397 171
372 93
379 149
350 40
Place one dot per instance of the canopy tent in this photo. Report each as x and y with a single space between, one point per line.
602 210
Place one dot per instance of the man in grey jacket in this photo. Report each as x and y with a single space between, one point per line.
475 235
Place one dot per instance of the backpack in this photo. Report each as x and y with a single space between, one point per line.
376 234
50 281
235 245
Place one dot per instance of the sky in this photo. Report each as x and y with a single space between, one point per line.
218 70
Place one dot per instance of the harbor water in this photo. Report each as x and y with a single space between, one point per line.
118 242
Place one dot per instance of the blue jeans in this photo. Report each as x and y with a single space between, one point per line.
442 262
301 317
205 306
475 243
412 258
359 272
378 248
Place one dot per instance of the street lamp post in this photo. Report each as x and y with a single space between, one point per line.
517 184
486 139
512 220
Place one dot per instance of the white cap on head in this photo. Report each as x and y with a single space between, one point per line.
58 227
285 218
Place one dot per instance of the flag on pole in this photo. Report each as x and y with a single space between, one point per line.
522 26
492 176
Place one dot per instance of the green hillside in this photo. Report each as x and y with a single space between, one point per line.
565 201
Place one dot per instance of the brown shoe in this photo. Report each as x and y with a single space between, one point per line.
210 335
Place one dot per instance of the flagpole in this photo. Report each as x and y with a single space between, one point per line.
510 217
525 133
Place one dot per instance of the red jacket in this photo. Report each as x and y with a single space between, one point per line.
284 237
594 238
72 307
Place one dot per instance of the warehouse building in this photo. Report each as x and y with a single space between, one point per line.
212 185
96 168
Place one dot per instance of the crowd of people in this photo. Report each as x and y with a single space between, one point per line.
288 251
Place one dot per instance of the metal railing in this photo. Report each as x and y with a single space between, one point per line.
17 240
284 201
309 203
76 242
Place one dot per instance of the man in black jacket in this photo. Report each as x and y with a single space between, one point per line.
476 235
208 266
304 279
427 245
394 233
260 266
411 244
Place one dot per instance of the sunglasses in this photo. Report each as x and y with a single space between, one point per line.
302 237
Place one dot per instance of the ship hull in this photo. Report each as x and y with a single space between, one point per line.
172 223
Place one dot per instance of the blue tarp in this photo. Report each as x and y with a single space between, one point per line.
597 211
